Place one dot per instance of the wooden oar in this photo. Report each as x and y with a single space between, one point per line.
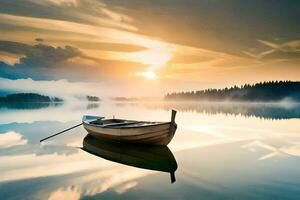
60 132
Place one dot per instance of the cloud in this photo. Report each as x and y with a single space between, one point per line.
274 51
107 46
43 55
14 47
10 139
39 39
81 11
63 2
65 193
46 62
38 61
189 59
289 46
39 55
282 55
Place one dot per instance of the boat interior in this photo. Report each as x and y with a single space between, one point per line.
117 123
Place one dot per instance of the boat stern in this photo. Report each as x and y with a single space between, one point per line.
88 118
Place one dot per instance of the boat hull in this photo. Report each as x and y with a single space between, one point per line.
158 134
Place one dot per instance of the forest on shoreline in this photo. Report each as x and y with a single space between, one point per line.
28 98
260 92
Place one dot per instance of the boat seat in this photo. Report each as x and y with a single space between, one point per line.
97 122
119 124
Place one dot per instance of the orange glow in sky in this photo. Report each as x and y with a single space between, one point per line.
179 46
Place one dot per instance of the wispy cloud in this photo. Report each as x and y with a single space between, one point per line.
88 11
289 50
57 2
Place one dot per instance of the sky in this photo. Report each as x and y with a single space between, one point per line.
145 48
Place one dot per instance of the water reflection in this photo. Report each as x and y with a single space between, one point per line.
23 139
260 110
92 106
220 154
158 158
30 106
10 139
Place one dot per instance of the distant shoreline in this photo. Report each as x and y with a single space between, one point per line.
29 98
274 91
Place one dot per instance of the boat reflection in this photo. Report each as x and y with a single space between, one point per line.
158 158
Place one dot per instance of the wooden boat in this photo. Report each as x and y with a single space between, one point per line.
131 131
158 158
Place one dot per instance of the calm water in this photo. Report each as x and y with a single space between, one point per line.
220 151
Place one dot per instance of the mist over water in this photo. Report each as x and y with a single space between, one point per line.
275 110
223 151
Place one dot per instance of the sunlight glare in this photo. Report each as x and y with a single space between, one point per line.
149 75
156 56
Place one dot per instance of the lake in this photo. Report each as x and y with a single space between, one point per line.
220 151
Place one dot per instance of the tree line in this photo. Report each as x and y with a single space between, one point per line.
28 98
263 91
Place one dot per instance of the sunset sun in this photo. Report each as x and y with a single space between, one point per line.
149 75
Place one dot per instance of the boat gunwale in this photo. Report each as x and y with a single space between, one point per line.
128 127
